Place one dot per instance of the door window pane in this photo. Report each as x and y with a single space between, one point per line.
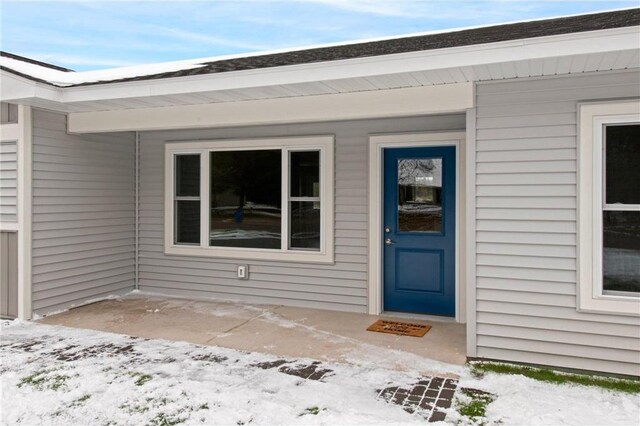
621 251
420 195
305 174
305 225
246 198
622 164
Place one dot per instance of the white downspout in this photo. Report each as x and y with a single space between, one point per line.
137 212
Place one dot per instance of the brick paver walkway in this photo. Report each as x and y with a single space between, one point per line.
426 397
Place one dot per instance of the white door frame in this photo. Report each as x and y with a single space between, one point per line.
376 197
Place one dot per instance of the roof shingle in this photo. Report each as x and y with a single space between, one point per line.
466 37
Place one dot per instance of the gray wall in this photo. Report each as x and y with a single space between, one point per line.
342 286
8 181
83 214
526 227
8 274
8 113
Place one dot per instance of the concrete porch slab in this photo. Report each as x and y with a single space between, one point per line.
278 330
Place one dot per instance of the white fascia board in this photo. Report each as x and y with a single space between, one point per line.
342 106
509 51
17 89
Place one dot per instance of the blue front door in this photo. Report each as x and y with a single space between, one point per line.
419 230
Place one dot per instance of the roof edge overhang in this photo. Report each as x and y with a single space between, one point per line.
408 101
18 89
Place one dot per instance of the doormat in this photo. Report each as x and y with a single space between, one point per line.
399 328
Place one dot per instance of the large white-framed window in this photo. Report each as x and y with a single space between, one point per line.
609 207
251 199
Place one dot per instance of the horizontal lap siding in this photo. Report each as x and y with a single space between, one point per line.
8 274
342 286
8 181
83 214
526 227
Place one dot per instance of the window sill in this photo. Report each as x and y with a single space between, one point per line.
251 255
612 305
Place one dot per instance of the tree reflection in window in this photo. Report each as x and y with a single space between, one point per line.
420 195
246 198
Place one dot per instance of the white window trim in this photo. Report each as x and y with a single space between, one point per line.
591 119
324 143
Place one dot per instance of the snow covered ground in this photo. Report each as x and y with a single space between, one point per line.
62 376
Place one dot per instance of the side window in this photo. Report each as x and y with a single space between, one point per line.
305 204
621 209
609 207
187 199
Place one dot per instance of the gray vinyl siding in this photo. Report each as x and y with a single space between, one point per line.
526 227
342 286
8 113
83 229
8 181
8 274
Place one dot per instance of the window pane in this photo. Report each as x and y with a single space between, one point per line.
305 174
188 175
305 225
621 251
187 222
246 197
623 163
420 195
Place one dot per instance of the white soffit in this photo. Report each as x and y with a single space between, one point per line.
342 106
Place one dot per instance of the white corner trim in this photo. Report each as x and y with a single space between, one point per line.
470 243
24 211
591 118
342 106
324 143
376 144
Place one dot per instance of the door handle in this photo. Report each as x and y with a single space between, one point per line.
388 241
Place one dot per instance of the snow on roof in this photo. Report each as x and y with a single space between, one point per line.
63 77
72 78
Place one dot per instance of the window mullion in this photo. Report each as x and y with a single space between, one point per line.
323 205
308 199
204 199
284 236
621 207
174 204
